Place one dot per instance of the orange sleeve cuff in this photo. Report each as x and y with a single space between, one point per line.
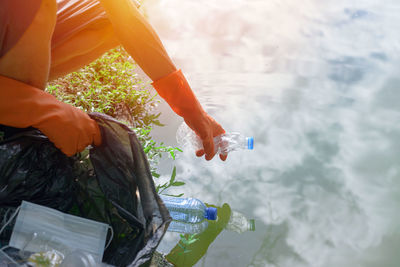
175 89
19 105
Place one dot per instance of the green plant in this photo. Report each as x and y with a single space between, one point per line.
186 240
160 188
153 150
111 86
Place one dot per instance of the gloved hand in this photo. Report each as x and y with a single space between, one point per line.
69 128
176 91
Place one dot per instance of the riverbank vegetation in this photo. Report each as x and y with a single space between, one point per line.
110 85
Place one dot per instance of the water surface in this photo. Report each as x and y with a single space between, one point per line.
317 85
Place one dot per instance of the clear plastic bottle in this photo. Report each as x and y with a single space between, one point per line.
81 259
190 210
188 228
223 144
239 223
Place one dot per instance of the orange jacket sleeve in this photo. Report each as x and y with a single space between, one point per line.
143 44
138 38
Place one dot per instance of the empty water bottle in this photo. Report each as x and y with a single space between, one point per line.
239 223
188 228
223 144
190 210
81 259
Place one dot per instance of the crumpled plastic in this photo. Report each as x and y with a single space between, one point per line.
113 186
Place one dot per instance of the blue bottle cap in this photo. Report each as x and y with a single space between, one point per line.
211 213
250 143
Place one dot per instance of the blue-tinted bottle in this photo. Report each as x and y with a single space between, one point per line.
190 210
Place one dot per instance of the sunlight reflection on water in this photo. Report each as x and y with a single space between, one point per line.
317 85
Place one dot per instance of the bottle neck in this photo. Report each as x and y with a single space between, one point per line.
250 143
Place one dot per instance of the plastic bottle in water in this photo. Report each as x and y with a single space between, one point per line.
188 228
223 144
239 223
190 210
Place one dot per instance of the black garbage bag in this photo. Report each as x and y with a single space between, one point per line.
114 185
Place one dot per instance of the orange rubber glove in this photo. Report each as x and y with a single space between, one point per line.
69 128
176 91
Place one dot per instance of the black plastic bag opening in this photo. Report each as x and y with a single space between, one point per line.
114 186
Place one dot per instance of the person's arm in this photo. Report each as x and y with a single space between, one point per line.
80 49
23 76
143 44
139 38
69 128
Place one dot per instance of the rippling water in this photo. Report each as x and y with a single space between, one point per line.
317 83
